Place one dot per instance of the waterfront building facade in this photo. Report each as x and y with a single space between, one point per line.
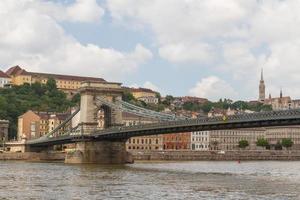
229 139
276 134
152 142
200 140
177 141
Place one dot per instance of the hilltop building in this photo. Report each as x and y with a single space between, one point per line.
67 83
5 80
144 94
277 103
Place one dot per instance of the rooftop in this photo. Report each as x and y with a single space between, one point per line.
17 70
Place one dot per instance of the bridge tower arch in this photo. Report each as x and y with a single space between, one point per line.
90 105
107 152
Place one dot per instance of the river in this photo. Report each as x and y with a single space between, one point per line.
151 180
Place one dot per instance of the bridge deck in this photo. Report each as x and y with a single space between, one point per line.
262 119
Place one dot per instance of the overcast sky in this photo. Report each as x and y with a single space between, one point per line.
206 48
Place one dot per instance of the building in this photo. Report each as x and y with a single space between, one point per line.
229 139
4 124
280 103
149 99
276 134
66 83
152 142
5 80
200 141
36 124
277 103
144 94
177 141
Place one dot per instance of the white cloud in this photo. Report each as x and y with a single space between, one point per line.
180 52
189 22
37 41
147 84
213 88
85 11
241 36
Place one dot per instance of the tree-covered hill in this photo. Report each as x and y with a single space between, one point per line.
16 100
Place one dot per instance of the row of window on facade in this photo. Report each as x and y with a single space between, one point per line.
142 147
143 141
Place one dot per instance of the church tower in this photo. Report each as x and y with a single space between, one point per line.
262 88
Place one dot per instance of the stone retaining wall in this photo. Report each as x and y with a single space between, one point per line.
33 156
216 156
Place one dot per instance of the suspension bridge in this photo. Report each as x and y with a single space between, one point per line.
95 145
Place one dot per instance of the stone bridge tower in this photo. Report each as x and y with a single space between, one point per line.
105 152
89 106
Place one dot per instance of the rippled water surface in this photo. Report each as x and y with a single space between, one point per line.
151 180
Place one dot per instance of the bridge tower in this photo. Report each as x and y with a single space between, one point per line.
104 152
89 106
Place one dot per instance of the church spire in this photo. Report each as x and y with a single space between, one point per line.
262 88
281 93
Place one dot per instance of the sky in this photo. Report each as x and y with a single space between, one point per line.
209 48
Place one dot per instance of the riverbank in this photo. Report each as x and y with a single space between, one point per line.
171 156
216 155
33 156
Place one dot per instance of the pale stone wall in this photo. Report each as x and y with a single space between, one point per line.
215 155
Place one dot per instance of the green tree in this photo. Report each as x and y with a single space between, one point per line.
51 84
168 100
262 142
243 144
127 96
16 100
287 142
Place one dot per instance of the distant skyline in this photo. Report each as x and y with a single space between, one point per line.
209 48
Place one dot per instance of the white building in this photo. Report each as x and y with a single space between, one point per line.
4 79
200 141
149 99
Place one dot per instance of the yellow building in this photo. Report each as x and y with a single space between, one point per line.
142 92
67 83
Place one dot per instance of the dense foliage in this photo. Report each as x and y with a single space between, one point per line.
225 104
243 144
287 142
262 142
16 100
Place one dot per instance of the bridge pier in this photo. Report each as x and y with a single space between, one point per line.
99 152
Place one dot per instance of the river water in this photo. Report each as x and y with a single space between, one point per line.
151 180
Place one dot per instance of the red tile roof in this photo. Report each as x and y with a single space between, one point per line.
16 70
142 90
13 70
3 75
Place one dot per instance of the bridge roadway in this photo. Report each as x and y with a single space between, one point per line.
261 119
